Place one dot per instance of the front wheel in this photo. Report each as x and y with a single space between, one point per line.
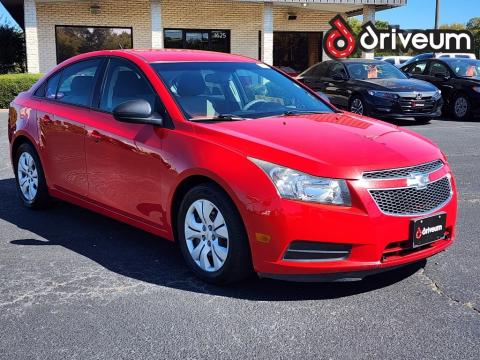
357 106
460 107
212 237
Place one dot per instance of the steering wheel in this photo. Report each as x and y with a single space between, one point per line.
254 102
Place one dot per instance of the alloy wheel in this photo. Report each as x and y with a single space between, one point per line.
206 235
461 107
357 106
27 176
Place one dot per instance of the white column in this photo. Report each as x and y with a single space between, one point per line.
368 15
267 33
31 36
156 21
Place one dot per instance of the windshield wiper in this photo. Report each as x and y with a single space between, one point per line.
301 112
220 117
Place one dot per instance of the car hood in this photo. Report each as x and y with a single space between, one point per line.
398 85
339 145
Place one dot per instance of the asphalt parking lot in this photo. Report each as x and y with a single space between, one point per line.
74 284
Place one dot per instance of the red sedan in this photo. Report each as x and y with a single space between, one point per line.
245 168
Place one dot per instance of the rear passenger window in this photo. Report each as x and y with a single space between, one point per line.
76 84
124 82
49 88
52 86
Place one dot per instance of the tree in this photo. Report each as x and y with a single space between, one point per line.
12 55
474 26
453 26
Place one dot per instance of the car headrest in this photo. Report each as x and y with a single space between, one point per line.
81 85
191 83
129 84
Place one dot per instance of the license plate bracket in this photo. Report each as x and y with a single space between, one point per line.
426 230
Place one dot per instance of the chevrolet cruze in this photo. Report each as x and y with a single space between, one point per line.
245 168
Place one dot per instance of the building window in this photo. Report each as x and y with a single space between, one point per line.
214 40
74 40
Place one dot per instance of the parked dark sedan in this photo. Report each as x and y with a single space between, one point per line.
458 79
374 88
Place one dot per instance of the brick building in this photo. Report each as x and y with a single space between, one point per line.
280 32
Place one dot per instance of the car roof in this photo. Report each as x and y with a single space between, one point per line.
359 61
174 55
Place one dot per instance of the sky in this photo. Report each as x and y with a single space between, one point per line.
417 14
420 14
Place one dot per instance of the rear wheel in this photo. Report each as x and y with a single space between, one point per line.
211 236
357 106
31 183
460 108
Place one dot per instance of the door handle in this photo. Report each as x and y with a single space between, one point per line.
96 136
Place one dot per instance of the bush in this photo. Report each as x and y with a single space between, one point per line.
13 84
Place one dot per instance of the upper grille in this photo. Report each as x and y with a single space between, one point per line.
412 201
406 172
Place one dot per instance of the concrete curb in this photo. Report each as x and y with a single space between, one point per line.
3 111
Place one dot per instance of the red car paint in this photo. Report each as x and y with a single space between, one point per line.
131 172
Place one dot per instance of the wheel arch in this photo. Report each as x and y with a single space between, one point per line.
19 140
190 181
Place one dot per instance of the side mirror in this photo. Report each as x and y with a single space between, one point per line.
136 112
339 77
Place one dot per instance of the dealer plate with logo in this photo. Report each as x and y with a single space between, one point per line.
427 230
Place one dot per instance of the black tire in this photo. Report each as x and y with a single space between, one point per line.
423 120
464 115
353 104
238 263
41 199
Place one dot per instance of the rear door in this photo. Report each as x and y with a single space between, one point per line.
61 114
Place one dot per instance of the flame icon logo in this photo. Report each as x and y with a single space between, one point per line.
339 41
418 234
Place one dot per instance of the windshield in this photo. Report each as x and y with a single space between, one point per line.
380 70
232 90
464 67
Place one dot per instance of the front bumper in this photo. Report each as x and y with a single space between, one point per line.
378 242
403 108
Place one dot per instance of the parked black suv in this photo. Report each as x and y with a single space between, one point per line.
374 88
459 80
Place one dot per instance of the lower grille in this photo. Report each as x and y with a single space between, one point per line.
412 105
413 201
316 251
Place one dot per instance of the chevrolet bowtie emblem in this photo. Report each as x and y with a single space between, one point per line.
418 180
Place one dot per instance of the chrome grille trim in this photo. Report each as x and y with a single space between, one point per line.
405 172
410 201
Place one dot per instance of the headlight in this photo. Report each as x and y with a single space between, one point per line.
476 88
293 184
383 94
437 95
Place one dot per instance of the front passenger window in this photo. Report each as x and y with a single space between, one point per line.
124 82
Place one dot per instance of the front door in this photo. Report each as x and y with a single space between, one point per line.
120 172
336 87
